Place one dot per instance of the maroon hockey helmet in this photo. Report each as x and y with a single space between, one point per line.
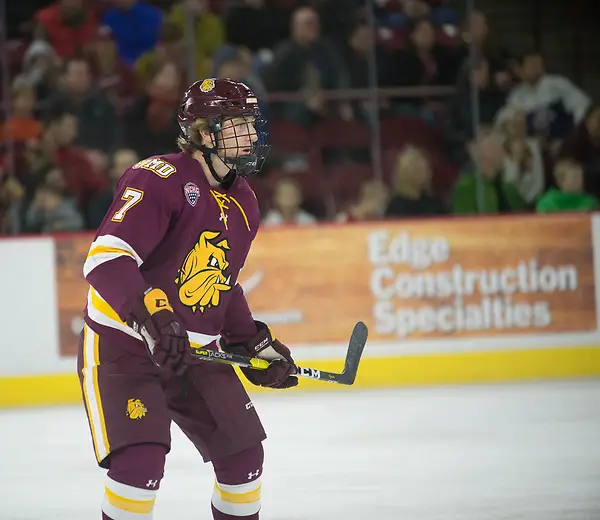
217 100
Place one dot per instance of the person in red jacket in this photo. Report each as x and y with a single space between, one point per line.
68 26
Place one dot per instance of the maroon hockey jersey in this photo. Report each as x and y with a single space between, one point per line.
169 228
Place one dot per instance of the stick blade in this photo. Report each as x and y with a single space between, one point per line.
358 340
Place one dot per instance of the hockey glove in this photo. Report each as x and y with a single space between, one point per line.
263 345
165 337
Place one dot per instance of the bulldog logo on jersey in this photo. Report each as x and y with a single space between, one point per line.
201 279
136 409
207 85
192 193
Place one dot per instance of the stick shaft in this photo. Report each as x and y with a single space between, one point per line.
260 364
345 377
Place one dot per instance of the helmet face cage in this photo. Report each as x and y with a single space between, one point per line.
230 141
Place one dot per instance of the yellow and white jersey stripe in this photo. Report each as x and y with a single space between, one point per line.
123 502
100 312
237 500
91 393
106 248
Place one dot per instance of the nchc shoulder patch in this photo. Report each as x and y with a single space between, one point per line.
192 193
158 166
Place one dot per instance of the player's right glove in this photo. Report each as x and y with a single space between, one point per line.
280 373
152 316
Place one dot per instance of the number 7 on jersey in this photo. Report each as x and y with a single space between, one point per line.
131 196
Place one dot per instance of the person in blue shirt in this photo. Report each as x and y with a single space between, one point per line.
135 27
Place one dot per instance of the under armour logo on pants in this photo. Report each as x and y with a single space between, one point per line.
152 483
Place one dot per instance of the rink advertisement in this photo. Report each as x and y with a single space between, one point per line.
418 280
424 280
456 300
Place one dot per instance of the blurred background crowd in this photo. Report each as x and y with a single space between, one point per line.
378 108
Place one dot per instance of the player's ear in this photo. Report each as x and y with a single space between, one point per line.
205 138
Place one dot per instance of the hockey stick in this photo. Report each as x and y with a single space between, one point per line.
347 376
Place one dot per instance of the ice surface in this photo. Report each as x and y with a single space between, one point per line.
516 452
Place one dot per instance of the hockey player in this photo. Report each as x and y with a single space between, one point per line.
163 271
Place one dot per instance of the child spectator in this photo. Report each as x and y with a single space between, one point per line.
569 196
50 212
583 145
22 125
287 201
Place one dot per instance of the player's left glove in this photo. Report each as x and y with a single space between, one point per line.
280 373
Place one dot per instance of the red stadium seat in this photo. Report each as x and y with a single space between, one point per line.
289 137
342 134
392 39
448 36
261 189
398 131
218 6
283 5
346 181
444 175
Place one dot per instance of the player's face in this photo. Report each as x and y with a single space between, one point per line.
237 136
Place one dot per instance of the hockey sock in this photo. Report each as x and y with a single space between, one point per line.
132 482
236 495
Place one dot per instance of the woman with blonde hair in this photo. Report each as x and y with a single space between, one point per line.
412 186
524 161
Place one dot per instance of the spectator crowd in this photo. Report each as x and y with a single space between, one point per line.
94 86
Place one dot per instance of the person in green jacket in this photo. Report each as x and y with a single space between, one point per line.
487 156
569 196
209 31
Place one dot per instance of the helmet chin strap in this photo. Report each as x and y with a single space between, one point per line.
207 154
